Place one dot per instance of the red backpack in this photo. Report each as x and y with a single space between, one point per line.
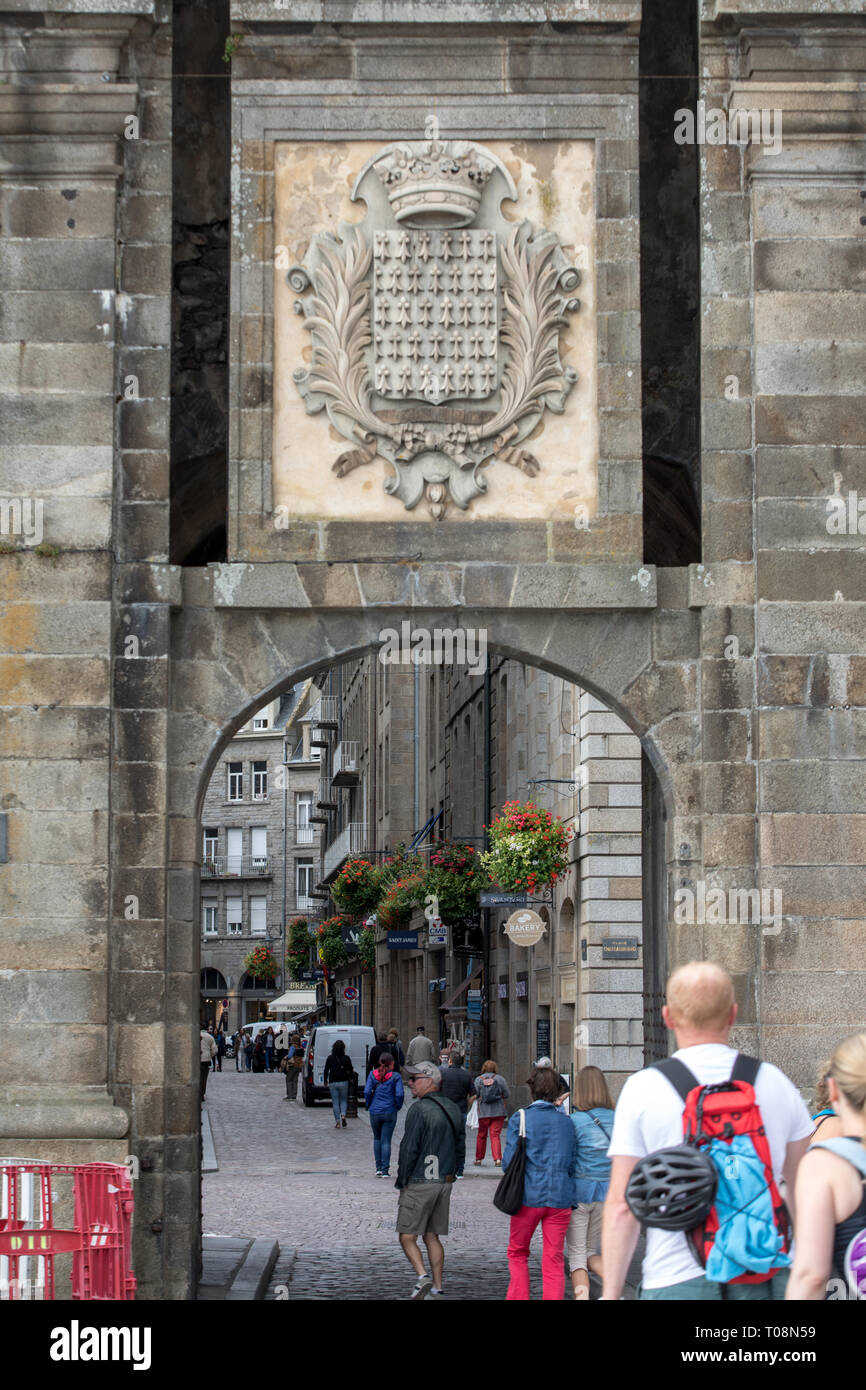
720 1112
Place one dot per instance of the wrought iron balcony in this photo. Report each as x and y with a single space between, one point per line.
352 840
236 866
327 799
326 716
346 768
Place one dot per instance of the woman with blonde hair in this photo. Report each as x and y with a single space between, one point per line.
592 1118
831 1188
827 1122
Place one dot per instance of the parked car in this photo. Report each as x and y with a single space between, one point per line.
359 1042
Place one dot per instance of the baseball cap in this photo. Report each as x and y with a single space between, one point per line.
425 1069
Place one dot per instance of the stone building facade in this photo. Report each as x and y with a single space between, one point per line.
260 852
726 631
547 741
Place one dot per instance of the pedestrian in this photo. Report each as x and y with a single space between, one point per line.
383 1097
593 1123
258 1055
492 1092
269 1049
291 1066
830 1197
379 1046
431 1151
395 1047
563 1084
548 1188
238 1049
208 1052
827 1123
281 1044
337 1074
420 1049
700 1010
459 1087
248 1050
221 1049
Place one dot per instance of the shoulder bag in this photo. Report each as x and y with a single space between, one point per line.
508 1196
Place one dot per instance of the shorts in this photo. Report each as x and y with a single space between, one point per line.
584 1234
423 1209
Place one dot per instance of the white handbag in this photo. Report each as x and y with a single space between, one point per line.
472 1116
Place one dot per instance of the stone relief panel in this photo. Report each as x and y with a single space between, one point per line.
435 330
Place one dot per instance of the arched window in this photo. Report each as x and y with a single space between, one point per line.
212 981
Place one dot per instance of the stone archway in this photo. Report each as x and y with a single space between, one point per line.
226 660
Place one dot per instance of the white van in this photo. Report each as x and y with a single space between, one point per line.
359 1043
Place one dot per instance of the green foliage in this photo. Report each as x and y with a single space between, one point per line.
367 949
231 48
358 887
528 848
297 946
329 938
455 878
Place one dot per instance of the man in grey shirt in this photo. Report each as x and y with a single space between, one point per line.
420 1048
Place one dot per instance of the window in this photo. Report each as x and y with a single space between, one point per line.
260 781
260 721
236 781
258 916
234 851
303 810
259 846
386 769
235 916
209 918
211 844
304 883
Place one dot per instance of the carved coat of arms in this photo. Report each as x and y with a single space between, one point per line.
435 323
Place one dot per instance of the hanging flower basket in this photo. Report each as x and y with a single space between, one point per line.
262 964
358 887
367 950
455 878
329 939
528 848
297 946
401 898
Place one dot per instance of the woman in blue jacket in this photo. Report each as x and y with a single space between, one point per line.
548 1187
383 1096
593 1123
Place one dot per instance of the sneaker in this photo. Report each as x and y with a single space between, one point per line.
436 1293
421 1287
457 1177
379 1173
344 1122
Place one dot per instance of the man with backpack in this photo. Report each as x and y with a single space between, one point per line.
698 1151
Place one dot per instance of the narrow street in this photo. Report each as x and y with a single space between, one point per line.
287 1173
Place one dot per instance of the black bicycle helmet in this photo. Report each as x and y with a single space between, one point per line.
673 1188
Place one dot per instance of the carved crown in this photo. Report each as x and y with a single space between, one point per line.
435 182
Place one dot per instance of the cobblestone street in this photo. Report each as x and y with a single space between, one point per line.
287 1173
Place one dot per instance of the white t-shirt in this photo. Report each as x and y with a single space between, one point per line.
649 1116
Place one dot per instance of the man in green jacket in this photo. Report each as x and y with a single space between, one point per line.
432 1152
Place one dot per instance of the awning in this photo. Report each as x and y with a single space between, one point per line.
294 1001
461 988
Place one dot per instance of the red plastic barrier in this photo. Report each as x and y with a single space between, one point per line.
100 1242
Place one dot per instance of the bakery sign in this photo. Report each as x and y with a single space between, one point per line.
435 323
525 928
